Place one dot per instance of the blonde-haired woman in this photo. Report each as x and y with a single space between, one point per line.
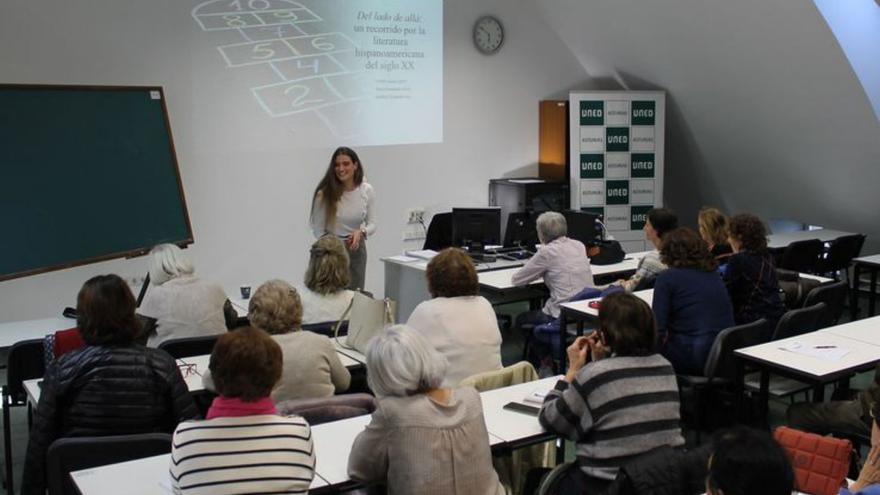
325 296
713 230
311 366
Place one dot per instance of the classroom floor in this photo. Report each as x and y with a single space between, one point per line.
511 352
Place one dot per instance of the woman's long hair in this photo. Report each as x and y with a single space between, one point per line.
331 189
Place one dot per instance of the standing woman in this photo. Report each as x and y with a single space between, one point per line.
343 206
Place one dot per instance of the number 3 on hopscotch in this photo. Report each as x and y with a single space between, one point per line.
299 92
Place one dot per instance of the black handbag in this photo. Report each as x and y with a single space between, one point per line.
605 253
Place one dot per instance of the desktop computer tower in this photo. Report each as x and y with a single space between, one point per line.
529 194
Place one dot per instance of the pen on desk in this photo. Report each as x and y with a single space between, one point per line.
824 347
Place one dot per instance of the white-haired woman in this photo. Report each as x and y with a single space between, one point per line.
562 263
178 304
422 438
325 296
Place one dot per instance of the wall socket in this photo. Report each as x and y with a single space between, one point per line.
415 215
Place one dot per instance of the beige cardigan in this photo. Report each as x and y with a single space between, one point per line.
420 447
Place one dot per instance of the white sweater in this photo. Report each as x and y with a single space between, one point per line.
247 454
465 330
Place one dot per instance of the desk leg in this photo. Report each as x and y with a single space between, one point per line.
764 396
563 332
739 388
819 393
854 292
873 295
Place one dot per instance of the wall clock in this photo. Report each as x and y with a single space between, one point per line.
488 34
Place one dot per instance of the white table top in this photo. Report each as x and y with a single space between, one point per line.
351 355
860 354
781 240
147 476
194 379
869 260
866 330
508 425
500 279
583 307
333 442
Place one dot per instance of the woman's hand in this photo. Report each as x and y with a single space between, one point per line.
598 349
354 240
577 357
870 473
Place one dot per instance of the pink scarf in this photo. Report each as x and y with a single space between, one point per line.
234 407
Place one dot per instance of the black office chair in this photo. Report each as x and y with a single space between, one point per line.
716 386
67 455
802 256
24 362
833 294
439 235
189 346
841 252
799 321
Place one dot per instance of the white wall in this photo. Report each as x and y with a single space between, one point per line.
764 111
248 180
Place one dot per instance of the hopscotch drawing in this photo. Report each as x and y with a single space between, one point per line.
315 71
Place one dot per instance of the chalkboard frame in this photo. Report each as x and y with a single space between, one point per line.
130 253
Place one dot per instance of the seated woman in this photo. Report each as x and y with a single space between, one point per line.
458 322
243 446
751 275
110 387
325 296
659 222
178 304
690 304
626 388
713 230
564 266
746 461
422 438
311 366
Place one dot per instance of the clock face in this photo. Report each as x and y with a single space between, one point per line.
488 34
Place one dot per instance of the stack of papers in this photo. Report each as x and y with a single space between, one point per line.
826 352
536 396
424 254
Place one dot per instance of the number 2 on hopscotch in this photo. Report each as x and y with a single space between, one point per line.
299 92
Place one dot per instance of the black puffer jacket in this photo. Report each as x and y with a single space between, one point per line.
105 390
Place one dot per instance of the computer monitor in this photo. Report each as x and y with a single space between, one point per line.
475 228
582 226
521 231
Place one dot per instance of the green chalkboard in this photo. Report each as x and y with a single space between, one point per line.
86 174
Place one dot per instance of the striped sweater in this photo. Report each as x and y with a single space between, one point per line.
246 454
615 409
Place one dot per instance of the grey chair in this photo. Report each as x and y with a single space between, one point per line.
66 455
799 321
802 256
326 409
24 362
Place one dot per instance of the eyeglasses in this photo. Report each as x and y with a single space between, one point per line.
187 369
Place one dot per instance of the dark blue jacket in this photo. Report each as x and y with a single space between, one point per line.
691 306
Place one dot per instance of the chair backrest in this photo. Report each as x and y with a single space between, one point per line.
550 485
833 294
189 346
439 234
326 409
663 471
802 256
514 374
25 361
721 363
70 454
841 252
799 321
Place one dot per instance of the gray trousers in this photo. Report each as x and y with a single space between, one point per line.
357 266
845 417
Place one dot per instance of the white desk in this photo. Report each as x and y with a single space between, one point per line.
148 476
866 330
781 240
582 309
510 426
194 379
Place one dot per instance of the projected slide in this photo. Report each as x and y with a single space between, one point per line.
368 72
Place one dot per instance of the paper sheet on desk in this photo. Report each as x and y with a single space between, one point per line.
402 258
828 353
537 396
